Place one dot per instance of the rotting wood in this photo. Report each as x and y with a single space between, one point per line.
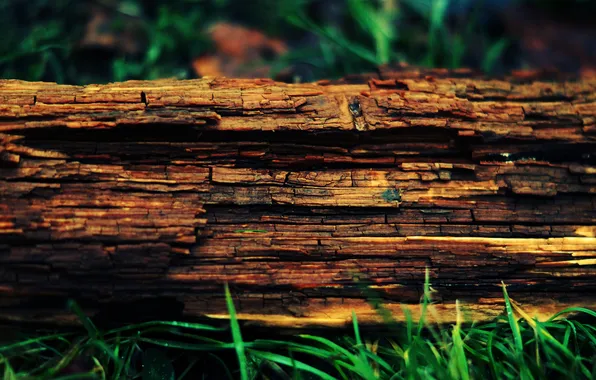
299 195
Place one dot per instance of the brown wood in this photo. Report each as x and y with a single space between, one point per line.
122 193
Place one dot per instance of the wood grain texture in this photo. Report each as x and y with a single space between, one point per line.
298 195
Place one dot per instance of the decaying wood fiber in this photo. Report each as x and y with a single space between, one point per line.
298 195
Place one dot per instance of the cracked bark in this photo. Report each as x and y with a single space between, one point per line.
297 196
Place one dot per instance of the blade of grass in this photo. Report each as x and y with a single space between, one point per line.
356 329
517 338
424 309
187 346
224 366
377 359
586 331
297 347
333 35
72 353
8 371
78 376
573 310
409 324
378 23
425 301
337 352
187 325
458 366
87 323
121 365
436 28
336 349
236 335
492 362
180 334
284 360
363 366
543 333
27 342
101 345
493 54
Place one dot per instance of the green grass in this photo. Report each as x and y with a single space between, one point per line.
512 346
41 38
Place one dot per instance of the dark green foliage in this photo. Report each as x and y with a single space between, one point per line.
513 346
157 365
36 37
173 35
41 39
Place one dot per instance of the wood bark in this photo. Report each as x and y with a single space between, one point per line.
298 196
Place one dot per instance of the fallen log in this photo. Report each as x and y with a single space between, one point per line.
298 195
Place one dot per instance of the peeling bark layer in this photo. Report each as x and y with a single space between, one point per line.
299 195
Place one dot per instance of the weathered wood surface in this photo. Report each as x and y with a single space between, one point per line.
164 190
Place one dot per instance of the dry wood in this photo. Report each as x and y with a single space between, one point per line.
298 195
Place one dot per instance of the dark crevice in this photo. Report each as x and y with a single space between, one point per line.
558 153
405 114
24 241
399 85
23 119
213 211
92 207
542 99
142 310
529 116
162 133
63 180
508 192
422 224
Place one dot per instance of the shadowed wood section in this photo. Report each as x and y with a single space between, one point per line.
306 198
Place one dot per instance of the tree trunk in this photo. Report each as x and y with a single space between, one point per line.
146 197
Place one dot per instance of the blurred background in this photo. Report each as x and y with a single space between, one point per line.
99 41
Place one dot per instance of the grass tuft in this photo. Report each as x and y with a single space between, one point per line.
514 345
